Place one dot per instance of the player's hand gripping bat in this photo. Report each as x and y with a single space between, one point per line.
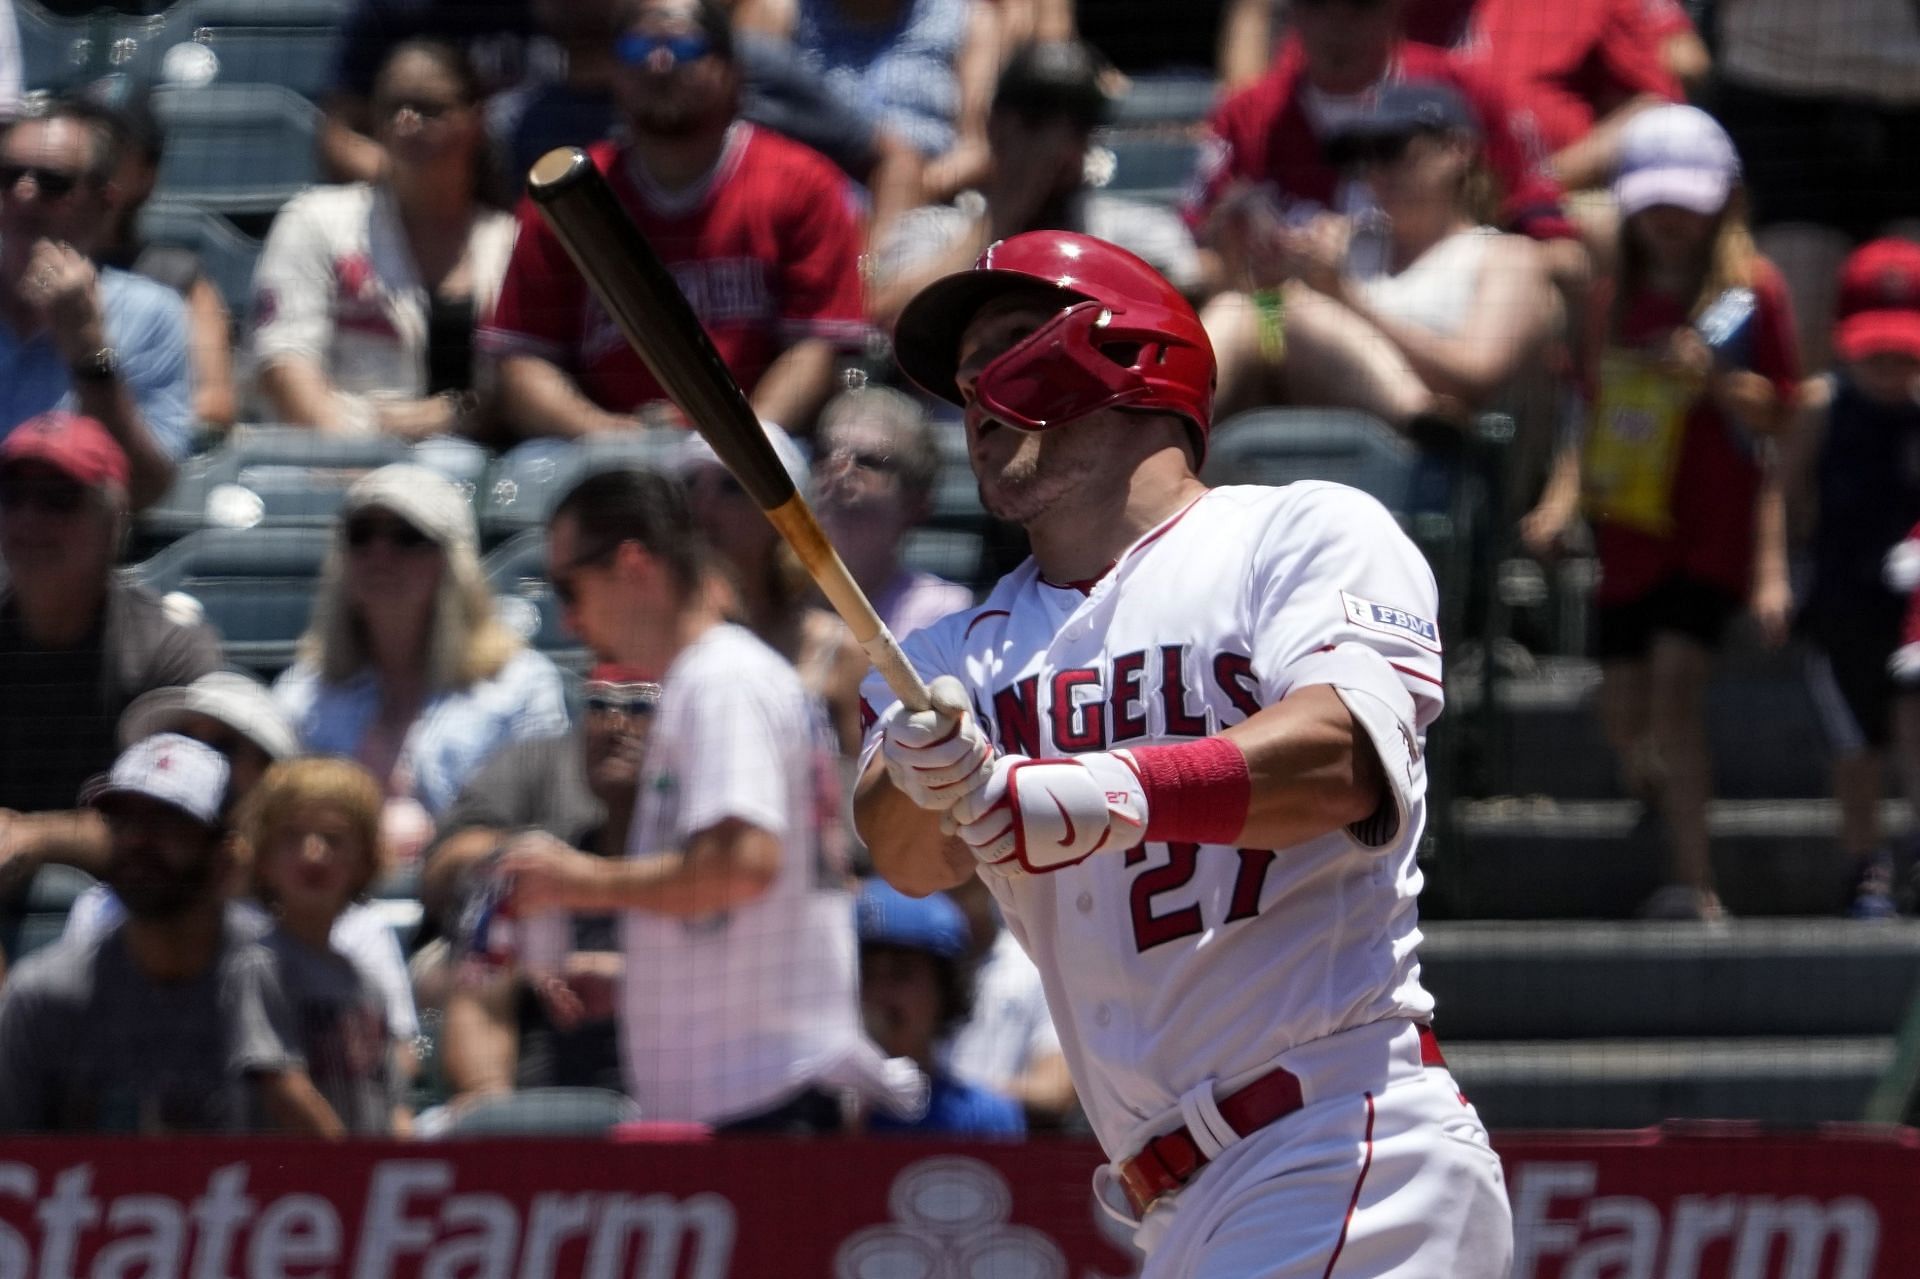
640 294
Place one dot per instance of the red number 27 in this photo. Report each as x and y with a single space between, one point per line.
1152 929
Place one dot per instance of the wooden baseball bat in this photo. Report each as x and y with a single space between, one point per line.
640 294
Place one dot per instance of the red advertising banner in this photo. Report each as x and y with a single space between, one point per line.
1627 1206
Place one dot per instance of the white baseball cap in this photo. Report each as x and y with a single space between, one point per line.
422 497
1675 155
173 770
238 701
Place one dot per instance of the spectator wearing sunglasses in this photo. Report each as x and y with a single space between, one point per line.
513 1028
1442 321
1265 170
762 234
1046 106
874 467
366 295
772 594
78 642
93 341
738 1007
405 666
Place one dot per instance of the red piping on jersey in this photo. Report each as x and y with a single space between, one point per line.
1086 584
992 612
1366 1162
1404 670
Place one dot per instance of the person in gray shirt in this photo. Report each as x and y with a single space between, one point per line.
173 1021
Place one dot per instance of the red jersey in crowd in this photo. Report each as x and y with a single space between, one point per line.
1265 134
767 250
1716 478
1568 64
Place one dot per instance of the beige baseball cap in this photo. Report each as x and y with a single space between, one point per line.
422 497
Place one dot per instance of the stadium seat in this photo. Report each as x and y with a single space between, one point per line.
545 1112
255 586
1279 446
302 61
1152 166
236 149
55 51
526 482
1165 100
136 44
226 255
274 475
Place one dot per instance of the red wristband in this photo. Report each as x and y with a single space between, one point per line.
1197 792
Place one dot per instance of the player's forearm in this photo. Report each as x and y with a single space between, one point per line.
1590 162
905 841
1313 769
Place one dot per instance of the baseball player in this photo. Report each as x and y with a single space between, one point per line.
1182 744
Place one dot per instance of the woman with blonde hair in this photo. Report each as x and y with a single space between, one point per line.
406 667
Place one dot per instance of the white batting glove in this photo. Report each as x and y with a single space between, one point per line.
1043 814
936 756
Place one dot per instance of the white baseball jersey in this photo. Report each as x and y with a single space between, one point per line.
1174 964
732 1014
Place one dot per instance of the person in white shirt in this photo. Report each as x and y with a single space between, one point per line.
366 295
739 1008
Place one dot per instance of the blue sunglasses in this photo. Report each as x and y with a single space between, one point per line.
635 50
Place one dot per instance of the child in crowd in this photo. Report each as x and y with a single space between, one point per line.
313 829
1856 460
915 988
1696 375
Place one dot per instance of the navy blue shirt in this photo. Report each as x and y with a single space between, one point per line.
959 1109
1869 493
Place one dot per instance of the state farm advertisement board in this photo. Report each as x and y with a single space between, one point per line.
1626 1207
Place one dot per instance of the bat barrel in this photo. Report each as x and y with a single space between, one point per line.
642 297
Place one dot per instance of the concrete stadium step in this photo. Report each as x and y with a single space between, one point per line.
1765 734
1546 981
1633 1083
1537 858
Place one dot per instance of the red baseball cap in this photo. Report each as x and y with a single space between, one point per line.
1879 311
79 447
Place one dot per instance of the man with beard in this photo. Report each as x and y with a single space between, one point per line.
761 233
174 1021
528 1029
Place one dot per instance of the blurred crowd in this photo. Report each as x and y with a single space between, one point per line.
1679 256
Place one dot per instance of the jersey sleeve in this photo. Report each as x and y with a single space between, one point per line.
820 294
541 298
1341 597
293 289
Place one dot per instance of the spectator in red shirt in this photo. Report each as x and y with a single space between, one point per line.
763 235
1695 377
1339 55
1575 73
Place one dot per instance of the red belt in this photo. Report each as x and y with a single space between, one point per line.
1170 1160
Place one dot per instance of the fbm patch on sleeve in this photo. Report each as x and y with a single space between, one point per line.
1388 620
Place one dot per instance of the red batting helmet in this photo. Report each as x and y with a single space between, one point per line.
1124 338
